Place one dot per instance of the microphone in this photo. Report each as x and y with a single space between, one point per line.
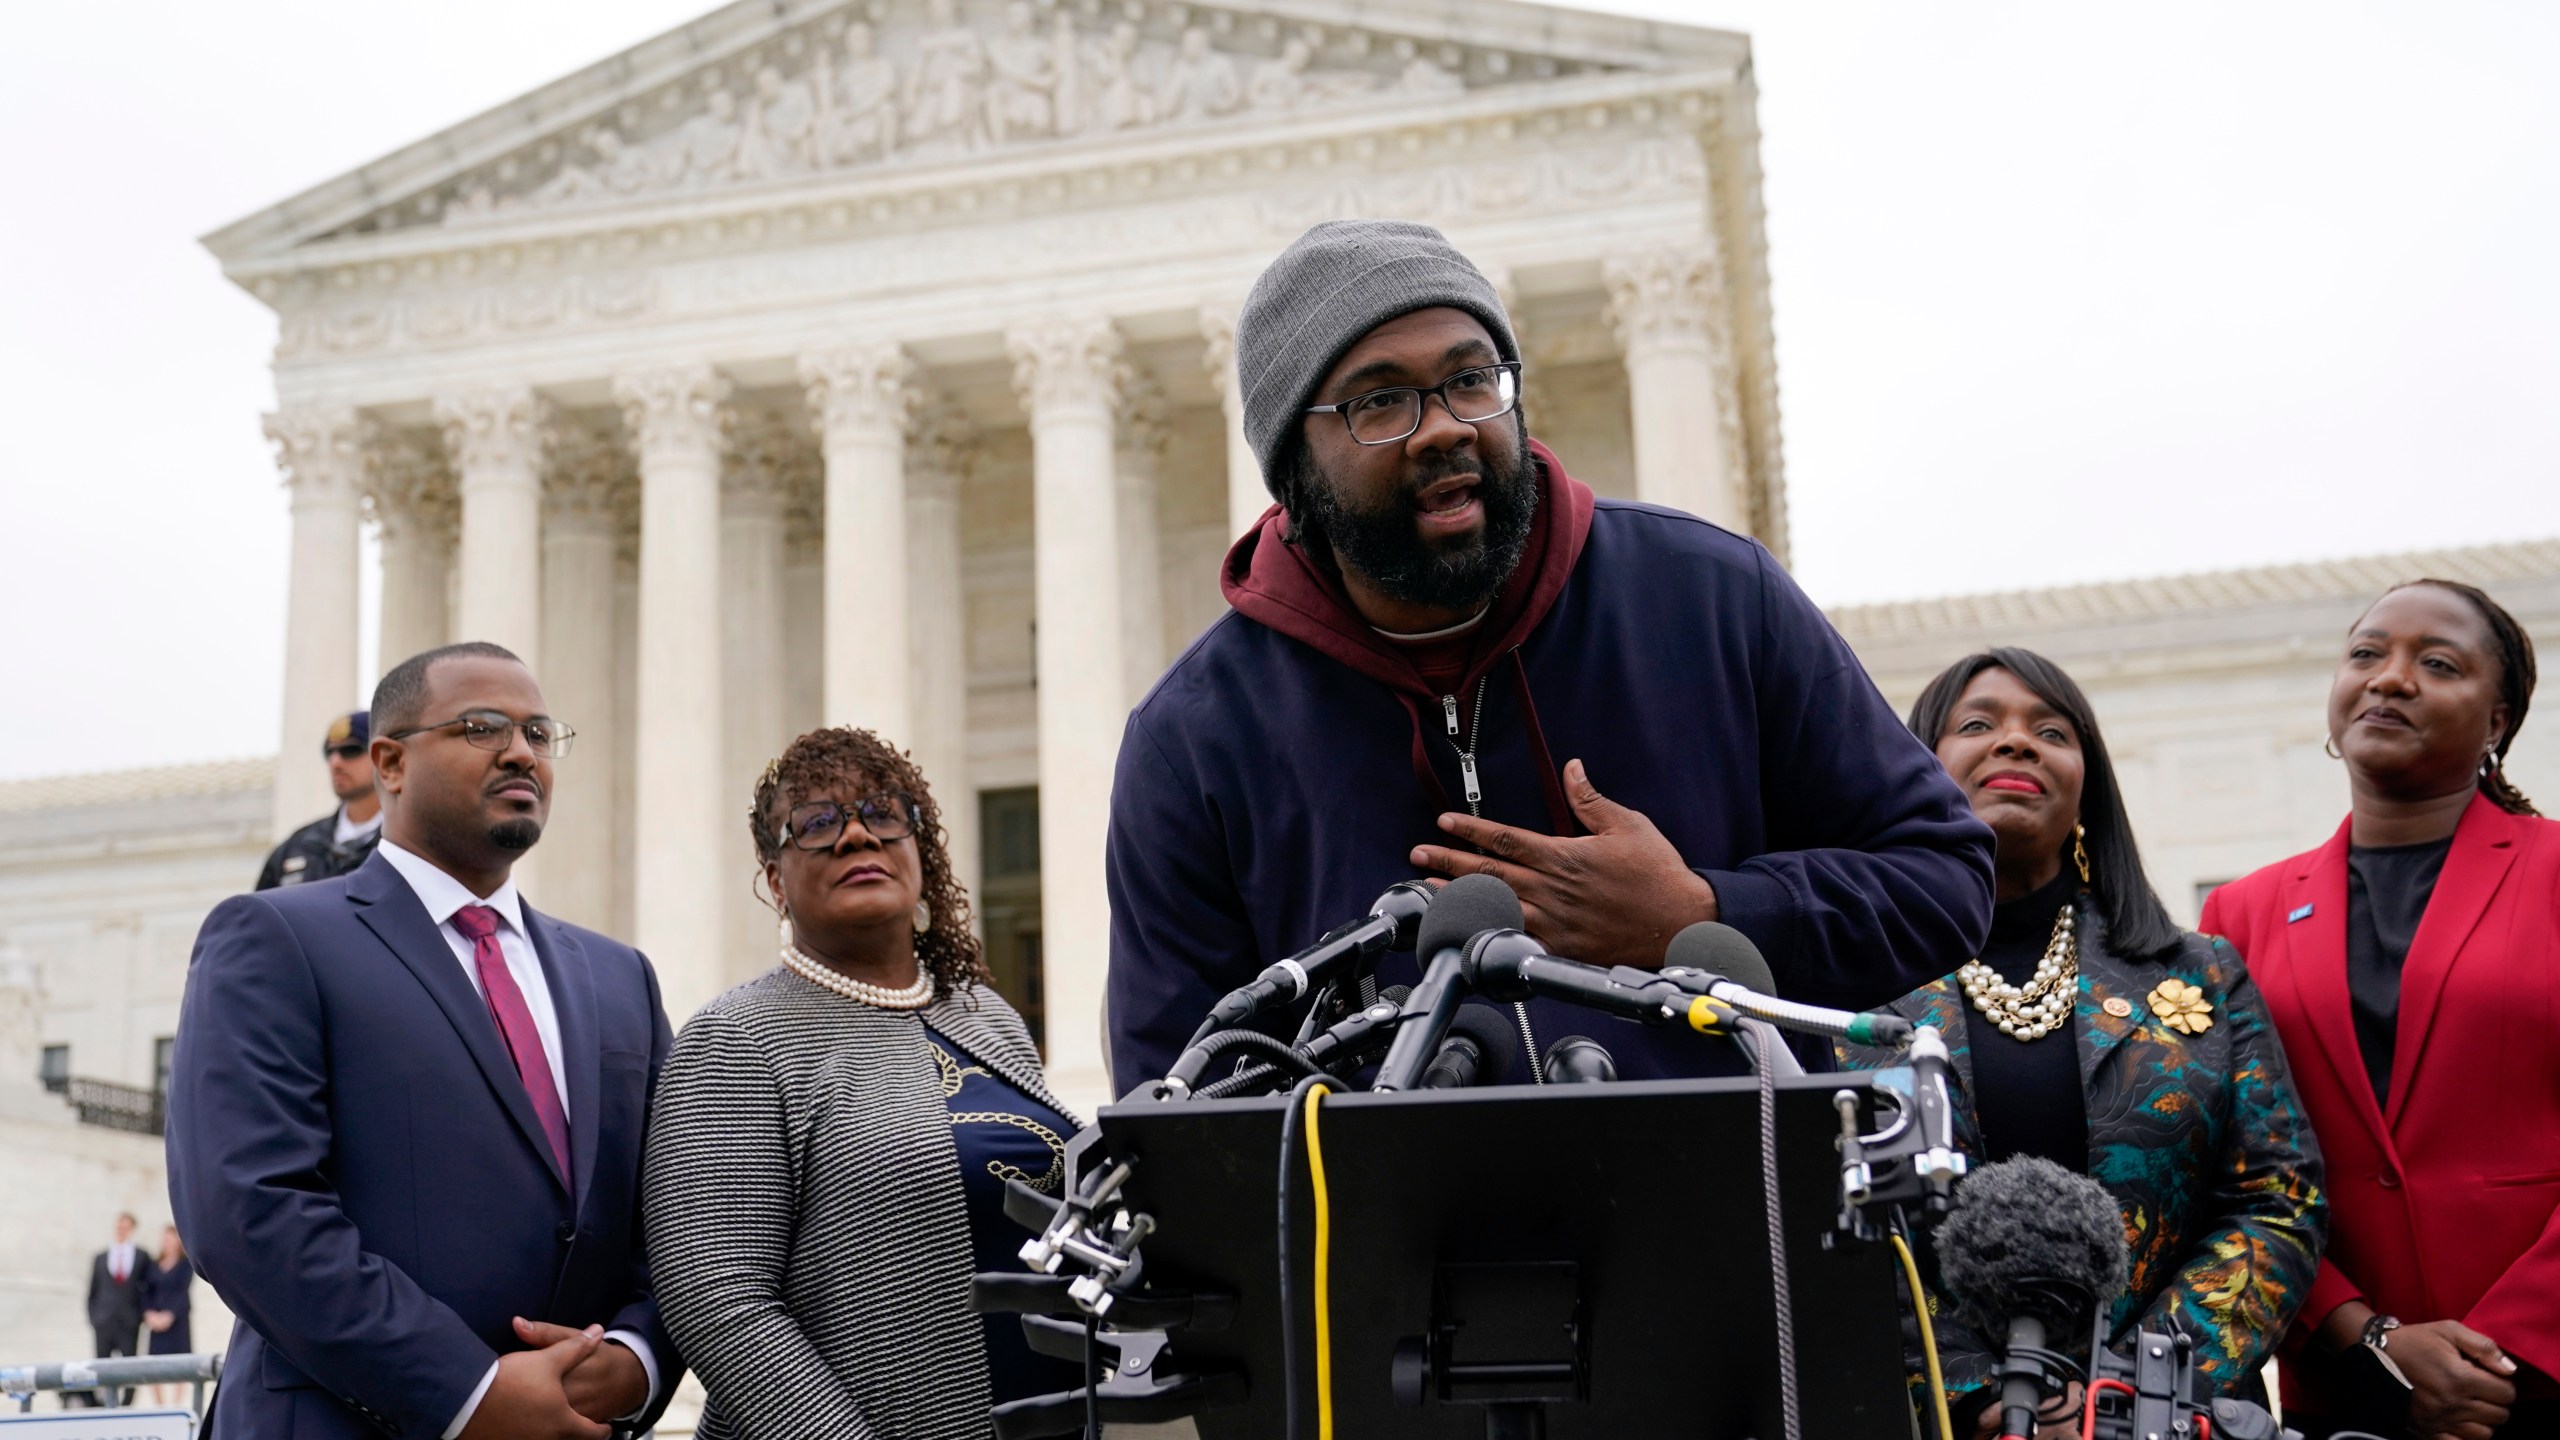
1465 908
2030 1250
1391 924
1721 963
1508 965
1579 1060
1477 1051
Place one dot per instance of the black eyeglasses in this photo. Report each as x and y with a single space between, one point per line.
489 730
348 751
1383 417
819 824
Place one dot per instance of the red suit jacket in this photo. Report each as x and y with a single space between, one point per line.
2447 1207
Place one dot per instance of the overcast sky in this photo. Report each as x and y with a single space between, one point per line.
2062 293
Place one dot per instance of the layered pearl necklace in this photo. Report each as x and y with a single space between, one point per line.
2038 1008
816 972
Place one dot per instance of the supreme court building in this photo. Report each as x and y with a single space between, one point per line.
822 363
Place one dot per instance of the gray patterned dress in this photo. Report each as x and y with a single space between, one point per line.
808 1236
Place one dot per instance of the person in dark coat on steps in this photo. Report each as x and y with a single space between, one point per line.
1446 656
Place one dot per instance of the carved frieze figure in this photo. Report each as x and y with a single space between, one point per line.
858 120
1120 94
1202 83
1278 83
1023 79
779 128
945 89
1421 77
1066 58
703 150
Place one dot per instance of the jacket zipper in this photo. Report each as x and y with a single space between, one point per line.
1466 745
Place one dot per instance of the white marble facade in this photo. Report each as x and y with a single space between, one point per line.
872 363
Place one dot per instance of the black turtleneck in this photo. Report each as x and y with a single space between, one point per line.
2026 1094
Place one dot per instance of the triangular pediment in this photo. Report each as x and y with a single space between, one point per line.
765 95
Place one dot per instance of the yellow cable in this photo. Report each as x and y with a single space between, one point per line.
1324 1272
1919 1307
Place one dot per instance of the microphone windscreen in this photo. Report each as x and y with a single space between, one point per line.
1721 950
1464 906
1394 994
2029 1238
1495 1040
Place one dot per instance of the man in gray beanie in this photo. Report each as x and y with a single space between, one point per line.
1434 615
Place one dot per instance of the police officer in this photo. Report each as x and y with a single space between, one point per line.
334 844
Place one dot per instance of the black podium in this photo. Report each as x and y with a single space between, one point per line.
1596 1254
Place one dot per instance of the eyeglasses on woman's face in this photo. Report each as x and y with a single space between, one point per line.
819 824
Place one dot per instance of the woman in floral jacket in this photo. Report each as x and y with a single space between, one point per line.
2095 1033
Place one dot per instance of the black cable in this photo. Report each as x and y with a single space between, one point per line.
1289 1292
1092 1383
1255 1040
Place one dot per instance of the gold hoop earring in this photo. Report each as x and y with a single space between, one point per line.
2329 747
2080 850
924 917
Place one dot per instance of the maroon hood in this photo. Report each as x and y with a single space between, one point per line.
1273 582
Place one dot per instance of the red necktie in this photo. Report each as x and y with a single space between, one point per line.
118 1270
515 1026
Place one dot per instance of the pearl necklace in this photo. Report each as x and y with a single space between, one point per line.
2038 1008
913 997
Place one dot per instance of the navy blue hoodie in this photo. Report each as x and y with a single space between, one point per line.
1277 778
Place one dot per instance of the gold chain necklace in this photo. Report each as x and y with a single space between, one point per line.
2037 1008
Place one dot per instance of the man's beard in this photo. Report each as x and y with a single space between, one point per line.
1385 544
518 834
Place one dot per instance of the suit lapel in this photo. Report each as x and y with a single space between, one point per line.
2315 963
2483 847
390 909
566 969
954 1021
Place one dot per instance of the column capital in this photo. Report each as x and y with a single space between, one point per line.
1218 327
861 388
588 475
765 456
408 489
1143 429
1670 296
496 428
942 444
1063 363
320 450
674 413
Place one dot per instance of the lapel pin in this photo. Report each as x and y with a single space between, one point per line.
2302 914
2116 1005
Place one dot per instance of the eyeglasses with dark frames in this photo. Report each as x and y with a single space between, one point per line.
819 824
1384 417
489 730
349 751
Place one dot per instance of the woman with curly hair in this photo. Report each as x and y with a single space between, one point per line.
831 1140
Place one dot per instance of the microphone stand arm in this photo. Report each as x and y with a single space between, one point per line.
1905 1173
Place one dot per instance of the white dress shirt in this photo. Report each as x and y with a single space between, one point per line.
443 895
120 1262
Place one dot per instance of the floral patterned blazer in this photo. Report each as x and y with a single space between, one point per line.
2194 1127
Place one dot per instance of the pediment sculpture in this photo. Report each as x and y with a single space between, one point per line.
852 91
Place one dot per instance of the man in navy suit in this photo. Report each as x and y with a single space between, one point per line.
406 1109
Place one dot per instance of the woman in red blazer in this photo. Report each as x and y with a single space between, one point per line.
2412 968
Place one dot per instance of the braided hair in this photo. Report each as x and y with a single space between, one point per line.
2516 675
845 756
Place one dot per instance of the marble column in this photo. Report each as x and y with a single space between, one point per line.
1067 372
752 493
937 460
582 495
859 398
804 602
1247 496
494 438
1140 457
1667 306
626 713
675 416
319 448
408 492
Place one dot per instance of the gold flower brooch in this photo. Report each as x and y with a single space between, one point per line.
2182 1007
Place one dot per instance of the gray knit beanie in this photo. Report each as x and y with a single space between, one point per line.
1334 284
